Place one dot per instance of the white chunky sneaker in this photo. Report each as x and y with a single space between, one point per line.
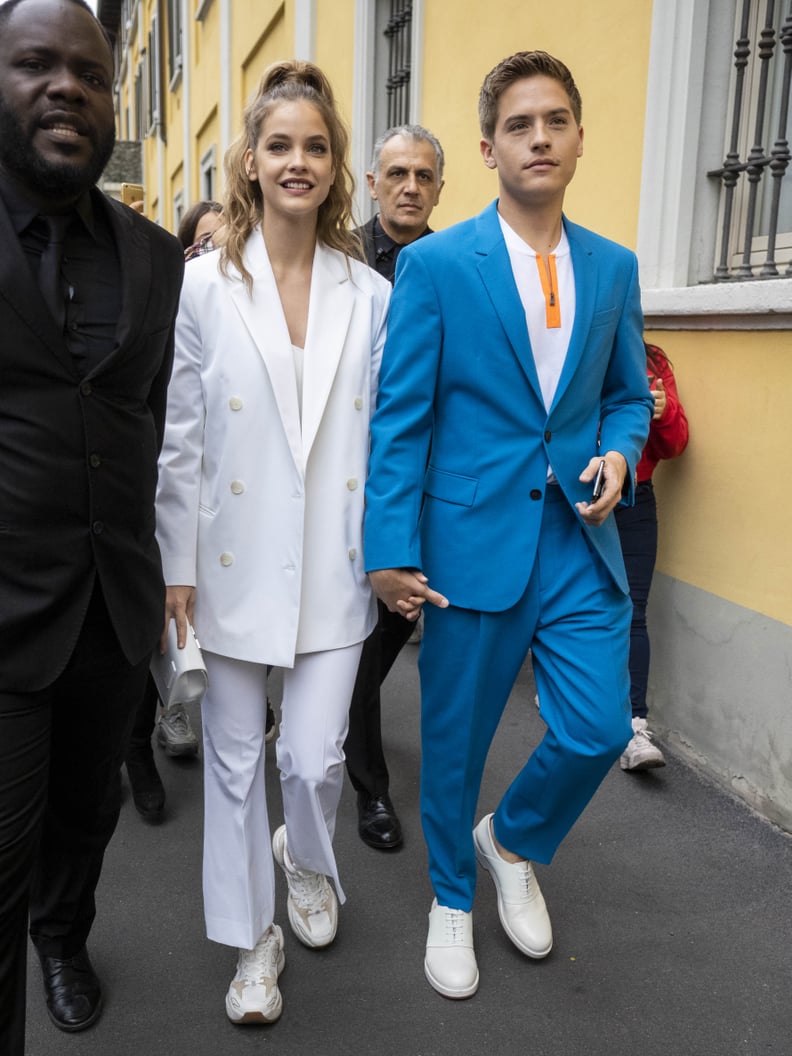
253 996
450 962
312 903
521 906
641 753
175 734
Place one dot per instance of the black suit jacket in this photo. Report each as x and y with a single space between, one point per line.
78 458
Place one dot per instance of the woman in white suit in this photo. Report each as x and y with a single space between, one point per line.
260 512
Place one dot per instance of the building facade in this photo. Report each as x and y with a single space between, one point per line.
685 111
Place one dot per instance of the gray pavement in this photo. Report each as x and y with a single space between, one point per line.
671 906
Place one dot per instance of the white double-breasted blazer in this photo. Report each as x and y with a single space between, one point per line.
260 500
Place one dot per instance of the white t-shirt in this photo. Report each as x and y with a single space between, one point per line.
549 345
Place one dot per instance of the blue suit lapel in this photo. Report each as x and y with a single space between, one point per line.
585 269
495 269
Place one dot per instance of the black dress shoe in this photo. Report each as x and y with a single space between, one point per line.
148 791
378 825
74 996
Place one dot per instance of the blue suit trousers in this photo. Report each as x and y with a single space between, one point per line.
576 622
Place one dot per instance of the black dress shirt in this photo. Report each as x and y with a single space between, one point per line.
90 270
381 251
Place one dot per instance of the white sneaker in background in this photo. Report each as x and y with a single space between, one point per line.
253 996
312 903
641 753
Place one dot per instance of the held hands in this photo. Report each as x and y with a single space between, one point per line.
660 399
594 513
404 590
179 605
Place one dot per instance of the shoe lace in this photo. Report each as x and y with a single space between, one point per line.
455 925
176 721
308 889
527 883
260 963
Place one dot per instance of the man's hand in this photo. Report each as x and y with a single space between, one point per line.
180 606
594 513
404 590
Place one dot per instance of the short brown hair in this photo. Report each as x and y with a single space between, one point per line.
515 68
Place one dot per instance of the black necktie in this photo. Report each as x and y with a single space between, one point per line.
50 281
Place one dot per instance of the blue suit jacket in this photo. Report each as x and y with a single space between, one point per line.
461 439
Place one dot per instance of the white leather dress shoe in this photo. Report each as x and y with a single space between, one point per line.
521 907
450 963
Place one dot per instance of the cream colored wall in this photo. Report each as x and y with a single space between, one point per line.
726 504
204 94
262 34
606 46
335 35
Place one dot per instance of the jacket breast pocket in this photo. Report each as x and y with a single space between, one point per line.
607 318
450 487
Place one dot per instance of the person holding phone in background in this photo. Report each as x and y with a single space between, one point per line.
668 438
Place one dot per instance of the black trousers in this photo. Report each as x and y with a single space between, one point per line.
638 534
365 758
61 749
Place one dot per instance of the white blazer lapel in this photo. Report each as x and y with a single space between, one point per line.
329 315
262 314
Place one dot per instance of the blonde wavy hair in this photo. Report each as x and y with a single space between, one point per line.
243 207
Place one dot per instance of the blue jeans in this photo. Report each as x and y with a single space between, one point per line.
638 533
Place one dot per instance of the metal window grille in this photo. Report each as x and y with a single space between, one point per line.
398 33
755 216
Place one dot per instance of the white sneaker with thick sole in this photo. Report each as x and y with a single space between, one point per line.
253 996
450 962
641 753
312 903
521 905
175 734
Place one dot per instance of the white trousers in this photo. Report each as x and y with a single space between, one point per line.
238 872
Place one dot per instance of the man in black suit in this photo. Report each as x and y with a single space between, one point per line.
405 180
88 296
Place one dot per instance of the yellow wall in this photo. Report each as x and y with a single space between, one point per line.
726 503
335 26
606 46
273 41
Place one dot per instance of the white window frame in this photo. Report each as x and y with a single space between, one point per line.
363 116
684 133
208 164
175 48
154 78
179 208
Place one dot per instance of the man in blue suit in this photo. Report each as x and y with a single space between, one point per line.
514 371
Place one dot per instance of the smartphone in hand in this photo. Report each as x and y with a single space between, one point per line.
599 482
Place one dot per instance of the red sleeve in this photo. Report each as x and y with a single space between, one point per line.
668 436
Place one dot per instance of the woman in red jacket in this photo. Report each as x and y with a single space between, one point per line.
668 437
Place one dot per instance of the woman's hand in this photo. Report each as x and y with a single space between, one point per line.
179 606
660 399
404 590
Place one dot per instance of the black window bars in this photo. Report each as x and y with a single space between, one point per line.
771 48
397 86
